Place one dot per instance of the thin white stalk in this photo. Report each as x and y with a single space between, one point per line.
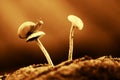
45 52
71 37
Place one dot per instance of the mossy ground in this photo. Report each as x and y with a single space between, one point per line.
85 68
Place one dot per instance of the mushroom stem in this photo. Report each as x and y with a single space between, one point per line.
71 36
45 52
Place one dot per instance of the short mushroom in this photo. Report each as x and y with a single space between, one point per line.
30 31
76 23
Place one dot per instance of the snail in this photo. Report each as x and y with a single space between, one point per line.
31 32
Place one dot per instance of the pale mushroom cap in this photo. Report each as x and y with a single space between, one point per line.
35 35
76 21
25 29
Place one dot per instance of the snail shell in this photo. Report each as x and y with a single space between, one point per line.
26 29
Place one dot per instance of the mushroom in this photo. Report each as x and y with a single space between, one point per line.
76 23
30 31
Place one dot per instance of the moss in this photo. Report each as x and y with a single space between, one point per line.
85 68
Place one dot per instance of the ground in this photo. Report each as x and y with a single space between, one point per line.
85 68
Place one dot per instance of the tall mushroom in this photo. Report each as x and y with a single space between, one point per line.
30 31
76 23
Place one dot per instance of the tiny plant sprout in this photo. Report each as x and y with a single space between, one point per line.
76 23
31 32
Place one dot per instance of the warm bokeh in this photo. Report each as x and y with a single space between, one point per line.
100 35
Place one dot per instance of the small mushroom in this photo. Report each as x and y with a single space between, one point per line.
76 23
30 32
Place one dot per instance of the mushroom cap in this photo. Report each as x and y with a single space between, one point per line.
25 29
76 21
35 35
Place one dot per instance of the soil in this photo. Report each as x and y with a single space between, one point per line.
85 68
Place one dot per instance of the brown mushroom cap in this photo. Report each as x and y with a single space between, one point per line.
26 29
35 35
76 21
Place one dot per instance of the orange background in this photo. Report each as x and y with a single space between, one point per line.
100 35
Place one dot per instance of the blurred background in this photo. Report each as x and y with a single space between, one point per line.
100 35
